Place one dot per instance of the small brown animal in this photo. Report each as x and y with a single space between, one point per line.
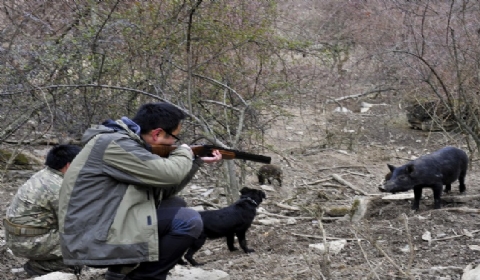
270 172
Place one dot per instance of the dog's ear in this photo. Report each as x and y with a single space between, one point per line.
244 190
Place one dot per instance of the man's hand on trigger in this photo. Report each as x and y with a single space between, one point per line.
216 156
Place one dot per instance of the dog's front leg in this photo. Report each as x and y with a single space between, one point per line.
230 242
243 242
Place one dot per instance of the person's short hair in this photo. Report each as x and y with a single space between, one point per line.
60 155
158 115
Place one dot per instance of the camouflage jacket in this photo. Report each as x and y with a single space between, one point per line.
36 204
110 193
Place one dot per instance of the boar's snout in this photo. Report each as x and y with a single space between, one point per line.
382 189
387 187
395 186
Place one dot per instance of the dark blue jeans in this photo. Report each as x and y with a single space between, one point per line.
178 227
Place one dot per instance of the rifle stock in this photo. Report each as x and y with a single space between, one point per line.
205 150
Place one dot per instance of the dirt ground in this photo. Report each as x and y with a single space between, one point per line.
311 147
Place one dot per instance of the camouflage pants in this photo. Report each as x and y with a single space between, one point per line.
43 251
48 266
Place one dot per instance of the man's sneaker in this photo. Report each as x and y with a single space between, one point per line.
119 272
32 271
110 275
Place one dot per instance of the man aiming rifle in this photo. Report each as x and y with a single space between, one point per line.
118 203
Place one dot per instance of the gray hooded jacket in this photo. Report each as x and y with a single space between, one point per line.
109 195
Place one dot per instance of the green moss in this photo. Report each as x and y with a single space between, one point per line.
354 208
339 211
19 159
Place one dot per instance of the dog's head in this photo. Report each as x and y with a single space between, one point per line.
256 195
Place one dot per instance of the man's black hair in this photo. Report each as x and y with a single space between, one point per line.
60 155
158 115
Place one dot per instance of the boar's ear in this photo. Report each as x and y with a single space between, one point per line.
391 167
409 168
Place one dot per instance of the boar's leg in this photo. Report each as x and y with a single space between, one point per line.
461 179
261 179
437 193
417 193
448 188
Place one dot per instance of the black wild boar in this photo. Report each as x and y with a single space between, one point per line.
442 167
269 172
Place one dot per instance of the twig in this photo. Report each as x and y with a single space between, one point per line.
344 182
326 253
209 203
410 244
392 262
365 256
278 153
338 167
356 173
317 182
333 186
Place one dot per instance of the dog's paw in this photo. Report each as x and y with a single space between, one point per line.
194 262
248 251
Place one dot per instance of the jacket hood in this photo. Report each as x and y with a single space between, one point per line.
124 125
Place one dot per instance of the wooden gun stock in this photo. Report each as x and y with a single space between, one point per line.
205 150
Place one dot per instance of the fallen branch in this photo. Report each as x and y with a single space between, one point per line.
459 209
374 91
333 186
321 237
454 236
297 218
436 268
346 183
460 198
317 182
288 207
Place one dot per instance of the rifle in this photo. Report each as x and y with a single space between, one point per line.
205 150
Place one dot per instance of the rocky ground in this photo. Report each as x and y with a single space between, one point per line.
329 160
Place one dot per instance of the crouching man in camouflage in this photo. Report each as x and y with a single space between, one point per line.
31 225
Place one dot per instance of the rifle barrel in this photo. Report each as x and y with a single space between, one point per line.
243 155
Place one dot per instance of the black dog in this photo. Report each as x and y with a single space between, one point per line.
233 220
